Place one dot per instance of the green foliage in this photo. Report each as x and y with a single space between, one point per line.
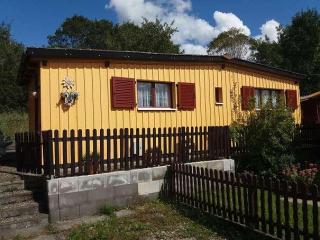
267 52
12 122
298 49
12 95
107 209
268 135
81 32
232 42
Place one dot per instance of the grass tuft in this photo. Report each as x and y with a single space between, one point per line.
107 209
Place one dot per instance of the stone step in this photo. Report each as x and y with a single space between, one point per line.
16 197
11 186
18 209
13 224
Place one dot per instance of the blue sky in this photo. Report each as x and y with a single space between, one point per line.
198 21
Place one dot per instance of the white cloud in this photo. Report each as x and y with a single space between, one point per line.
194 49
194 33
269 29
225 21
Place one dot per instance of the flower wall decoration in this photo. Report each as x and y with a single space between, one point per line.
68 95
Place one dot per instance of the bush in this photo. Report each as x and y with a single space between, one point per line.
12 122
107 209
310 174
268 135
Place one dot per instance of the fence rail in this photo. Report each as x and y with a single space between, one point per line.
277 208
69 153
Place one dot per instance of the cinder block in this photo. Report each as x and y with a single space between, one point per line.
126 190
69 212
118 178
54 216
53 186
228 164
149 187
105 194
89 209
216 165
72 199
141 175
124 201
68 184
85 183
159 172
53 202
98 181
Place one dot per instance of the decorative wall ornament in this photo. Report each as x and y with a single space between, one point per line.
68 95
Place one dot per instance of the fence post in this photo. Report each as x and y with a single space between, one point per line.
47 153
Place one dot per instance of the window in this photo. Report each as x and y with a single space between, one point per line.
262 96
218 95
154 95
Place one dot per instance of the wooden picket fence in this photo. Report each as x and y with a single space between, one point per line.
78 152
277 208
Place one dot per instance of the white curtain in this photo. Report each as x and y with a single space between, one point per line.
144 94
163 95
274 98
265 95
257 98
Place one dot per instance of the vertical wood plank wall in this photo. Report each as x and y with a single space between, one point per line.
93 108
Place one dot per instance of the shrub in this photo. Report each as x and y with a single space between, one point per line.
310 174
268 135
107 209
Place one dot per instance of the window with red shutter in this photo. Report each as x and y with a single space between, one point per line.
123 93
186 96
291 99
247 93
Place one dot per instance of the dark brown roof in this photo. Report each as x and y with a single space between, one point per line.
47 53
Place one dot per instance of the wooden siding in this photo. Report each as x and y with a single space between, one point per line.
93 108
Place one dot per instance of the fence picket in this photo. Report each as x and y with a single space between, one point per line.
72 152
56 153
314 192
295 211
102 152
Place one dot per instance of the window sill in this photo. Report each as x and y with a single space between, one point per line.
156 109
219 104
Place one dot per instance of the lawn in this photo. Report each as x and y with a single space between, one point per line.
12 122
160 220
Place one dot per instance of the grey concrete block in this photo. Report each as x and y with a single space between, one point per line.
85 183
89 209
53 202
54 216
149 187
124 201
68 184
72 199
104 194
98 181
53 186
141 175
69 212
159 172
118 178
126 190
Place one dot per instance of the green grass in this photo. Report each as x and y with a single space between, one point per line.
12 122
266 212
160 220
107 209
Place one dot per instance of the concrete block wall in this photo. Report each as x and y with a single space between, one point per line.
73 197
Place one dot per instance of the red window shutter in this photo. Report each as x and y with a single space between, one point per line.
123 93
186 96
291 99
246 94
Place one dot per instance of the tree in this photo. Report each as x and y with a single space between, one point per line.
81 32
12 95
232 42
300 46
267 52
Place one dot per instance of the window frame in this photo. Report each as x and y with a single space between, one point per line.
219 96
260 90
154 97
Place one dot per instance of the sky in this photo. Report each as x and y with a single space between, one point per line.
197 22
